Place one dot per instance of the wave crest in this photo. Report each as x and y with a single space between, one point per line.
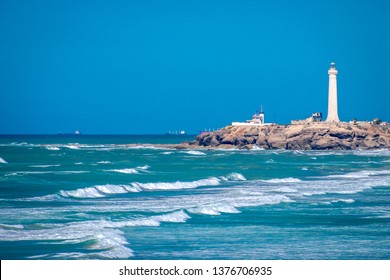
135 170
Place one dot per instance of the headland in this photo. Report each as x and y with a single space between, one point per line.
310 136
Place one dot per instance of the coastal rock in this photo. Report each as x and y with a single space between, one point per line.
315 136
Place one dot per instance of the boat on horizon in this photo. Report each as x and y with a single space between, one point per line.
76 132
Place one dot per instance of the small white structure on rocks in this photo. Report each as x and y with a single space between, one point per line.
333 115
257 120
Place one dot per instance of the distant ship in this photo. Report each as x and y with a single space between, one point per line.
176 132
77 132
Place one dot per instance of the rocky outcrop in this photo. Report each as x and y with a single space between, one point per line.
314 136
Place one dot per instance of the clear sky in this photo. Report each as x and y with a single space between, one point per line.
135 67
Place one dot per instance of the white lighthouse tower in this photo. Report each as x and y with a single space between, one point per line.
333 115
261 115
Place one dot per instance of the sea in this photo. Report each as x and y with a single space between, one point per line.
96 197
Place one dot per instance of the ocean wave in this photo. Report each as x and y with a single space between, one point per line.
125 170
214 210
14 144
111 189
66 172
212 181
106 237
234 177
282 180
91 192
52 148
104 162
257 148
105 242
350 200
286 190
131 170
360 174
370 153
102 190
146 146
195 153
14 227
72 146
45 165
2 160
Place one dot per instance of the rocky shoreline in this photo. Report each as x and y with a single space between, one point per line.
310 136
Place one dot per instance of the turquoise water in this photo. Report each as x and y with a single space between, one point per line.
93 197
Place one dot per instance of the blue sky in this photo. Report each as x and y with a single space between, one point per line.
135 67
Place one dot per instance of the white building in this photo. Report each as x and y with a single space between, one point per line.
257 120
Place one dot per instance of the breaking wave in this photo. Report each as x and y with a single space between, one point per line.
195 153
52 148
45 165
234 177
130 170
72 146
106 238
361 174
177 185
283 180
102 190
2 160
214 210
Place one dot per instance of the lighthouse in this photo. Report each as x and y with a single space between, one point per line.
333 115
261 115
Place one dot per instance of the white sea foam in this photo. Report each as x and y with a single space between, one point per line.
257 148
52 148
213 210
370 153
304 168
107 242
91 192
282 180
72 146
361 174
205 211
234 177
106 237
102 190
104 162
45 165
286 190
2 160
145 167
125 170
350 200
177 185
111 189
166 153
64 172
195 153
15 227
135 170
